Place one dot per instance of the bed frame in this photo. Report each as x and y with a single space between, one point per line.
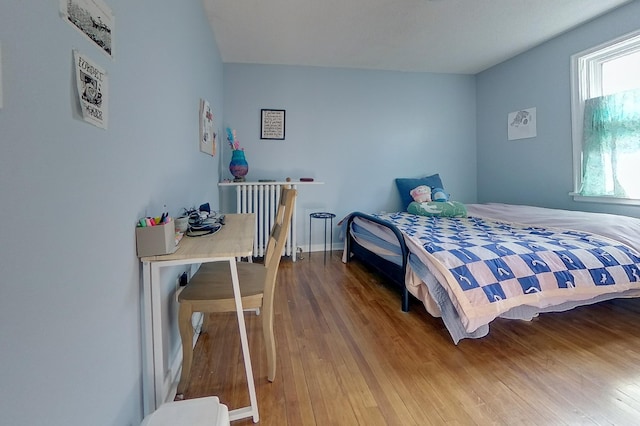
395 273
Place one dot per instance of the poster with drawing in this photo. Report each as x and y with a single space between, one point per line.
92 18
522 124
93 90
207 134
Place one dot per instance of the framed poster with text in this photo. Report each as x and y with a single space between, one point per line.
272 124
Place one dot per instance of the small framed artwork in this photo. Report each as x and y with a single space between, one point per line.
272 124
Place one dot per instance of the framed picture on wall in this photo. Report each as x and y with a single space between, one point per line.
272 124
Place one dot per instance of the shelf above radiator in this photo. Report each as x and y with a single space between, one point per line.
293 182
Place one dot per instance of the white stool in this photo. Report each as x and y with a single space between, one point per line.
190 412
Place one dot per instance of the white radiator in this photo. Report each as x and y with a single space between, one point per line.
262 198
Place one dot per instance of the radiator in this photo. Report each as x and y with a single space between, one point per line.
262 199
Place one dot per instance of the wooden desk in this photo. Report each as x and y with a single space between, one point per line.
235 239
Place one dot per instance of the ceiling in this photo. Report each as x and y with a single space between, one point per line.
443 36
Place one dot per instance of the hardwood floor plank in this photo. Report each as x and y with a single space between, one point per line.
347 355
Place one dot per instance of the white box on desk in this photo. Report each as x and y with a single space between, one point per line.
156 240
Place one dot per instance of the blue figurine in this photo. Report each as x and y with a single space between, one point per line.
438 194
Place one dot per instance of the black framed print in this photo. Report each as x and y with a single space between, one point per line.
272 124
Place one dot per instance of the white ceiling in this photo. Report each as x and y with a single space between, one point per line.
445 36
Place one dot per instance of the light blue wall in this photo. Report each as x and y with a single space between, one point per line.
538 171
70 305
355 131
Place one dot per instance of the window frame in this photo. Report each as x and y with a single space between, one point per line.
586 82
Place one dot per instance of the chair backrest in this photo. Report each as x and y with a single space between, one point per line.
277 239
281 225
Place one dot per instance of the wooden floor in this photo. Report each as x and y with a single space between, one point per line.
347 355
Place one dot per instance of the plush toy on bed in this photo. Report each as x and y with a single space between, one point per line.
429 201
438 194
421 194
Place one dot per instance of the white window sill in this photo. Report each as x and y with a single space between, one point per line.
604 199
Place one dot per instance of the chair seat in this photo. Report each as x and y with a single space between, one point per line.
213 282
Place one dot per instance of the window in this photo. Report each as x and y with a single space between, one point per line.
606 121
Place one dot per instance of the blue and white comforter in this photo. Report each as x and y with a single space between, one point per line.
485 268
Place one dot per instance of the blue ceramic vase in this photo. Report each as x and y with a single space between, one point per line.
238 166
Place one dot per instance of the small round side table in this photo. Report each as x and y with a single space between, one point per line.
325 216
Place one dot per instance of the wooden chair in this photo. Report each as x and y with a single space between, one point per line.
210 290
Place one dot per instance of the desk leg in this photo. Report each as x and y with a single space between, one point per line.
253 409
156 324
153 354
148 376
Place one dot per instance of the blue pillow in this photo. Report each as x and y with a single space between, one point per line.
405 185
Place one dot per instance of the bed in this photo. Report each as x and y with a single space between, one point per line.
499 261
